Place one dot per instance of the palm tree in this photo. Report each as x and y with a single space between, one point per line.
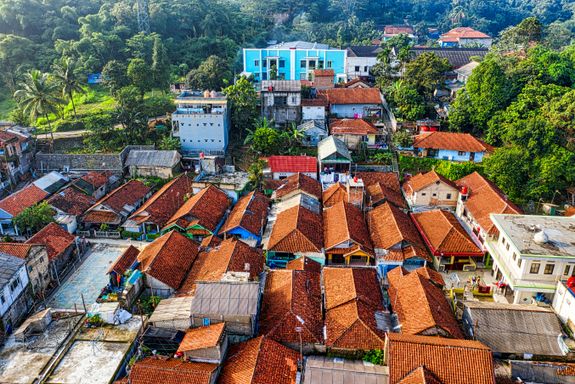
37 96
67 81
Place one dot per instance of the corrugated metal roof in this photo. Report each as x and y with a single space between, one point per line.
227 298
9 266
152 158
281 85
172 309
331 145
335 370
51 182
299 45
514 328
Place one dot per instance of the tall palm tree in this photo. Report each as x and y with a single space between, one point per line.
66 79
37 96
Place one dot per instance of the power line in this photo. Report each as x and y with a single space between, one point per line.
143 16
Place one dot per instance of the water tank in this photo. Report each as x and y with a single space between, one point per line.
541 237
206 93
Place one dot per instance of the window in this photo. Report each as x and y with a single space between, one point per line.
320 64
503 240
448 196
514 256
282 64
365 68
302 64
423 193
265 64
264 76
280 100
461 153
507 247
312 64
256 63
357 68
2 299
549 268
519 262
329 63
534 268
14 284
566 270
434 194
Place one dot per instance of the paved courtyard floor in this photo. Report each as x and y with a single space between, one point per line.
88 279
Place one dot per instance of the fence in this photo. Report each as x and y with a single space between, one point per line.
100 234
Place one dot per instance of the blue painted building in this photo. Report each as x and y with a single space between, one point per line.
450 146
294 61
247 219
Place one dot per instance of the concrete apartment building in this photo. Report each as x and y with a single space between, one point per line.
201 121
531 253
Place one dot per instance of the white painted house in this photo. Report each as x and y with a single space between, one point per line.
201 122
15 301
531 253
564 301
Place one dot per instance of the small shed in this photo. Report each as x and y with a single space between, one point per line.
146 163
204 344
174 313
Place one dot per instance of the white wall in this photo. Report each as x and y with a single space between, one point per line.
362 63
564 305
435 192
283 175
201 132
9 295
313 113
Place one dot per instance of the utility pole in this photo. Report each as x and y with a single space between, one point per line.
143 16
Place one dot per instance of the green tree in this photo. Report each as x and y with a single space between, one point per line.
37 97
169 143
212 74
114 75
34 218
406 101
264 139
426 72
129 114
66 79
243 100
527 32
508 167
160 65
256 174
140 75
402 139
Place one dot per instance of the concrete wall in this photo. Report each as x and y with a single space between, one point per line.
313 112
364 64
161 172
438 195
351 110
206 132
46 162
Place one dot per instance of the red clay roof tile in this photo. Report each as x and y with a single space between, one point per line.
202 337
71 202
249 213
289 296
299 182
22 199
354 96
295 164
344 222
452 361
296 230
125 260
304 263
422 180
451 140
352 127
153 370
55 238
128 194
334 194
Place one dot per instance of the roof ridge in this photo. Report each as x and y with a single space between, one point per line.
443 215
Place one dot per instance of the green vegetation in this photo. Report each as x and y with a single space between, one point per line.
449 169
34 218
374 356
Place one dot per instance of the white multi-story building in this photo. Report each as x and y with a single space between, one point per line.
15 301
360 60
531 253
201 122
564 301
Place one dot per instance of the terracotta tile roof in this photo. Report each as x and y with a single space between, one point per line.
125 260
344 222
96 179
451 361
352 298
202 337
249 213
22 199
451 140
420 375
299 182
352 127
289 295
210 242
165 202
19 250
443 233
389 226
6 137
304 263
421 307
334 194
379 192
71 201
423 180
354 96
398 30
324 73
296 230
206 208
153 370
319 101
303 164
55 238
230 256
389 179
100 217
463 33
259 361
127 194
485 198
169 258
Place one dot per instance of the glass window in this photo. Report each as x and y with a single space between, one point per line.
566 270
519 262
302 64
256 63
282 63
312 63
357 68
514 256
423 193
507 246
534 268
329 63
461 153
265 64
549 268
